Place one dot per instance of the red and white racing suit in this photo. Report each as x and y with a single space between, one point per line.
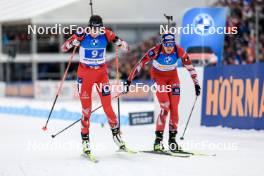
164 72
92 70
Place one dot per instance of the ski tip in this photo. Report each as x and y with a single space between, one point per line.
44 128
93 160
127 151
90 157
53 136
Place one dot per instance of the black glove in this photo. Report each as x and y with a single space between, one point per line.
197 89
126 86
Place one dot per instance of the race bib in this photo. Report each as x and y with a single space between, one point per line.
94 53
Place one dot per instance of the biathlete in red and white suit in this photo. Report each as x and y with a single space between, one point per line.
164 59
92 70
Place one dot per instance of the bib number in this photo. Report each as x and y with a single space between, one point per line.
94 54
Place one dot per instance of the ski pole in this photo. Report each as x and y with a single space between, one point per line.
182 137
117 80
91 4
67 127
59 89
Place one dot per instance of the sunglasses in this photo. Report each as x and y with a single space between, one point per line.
169 44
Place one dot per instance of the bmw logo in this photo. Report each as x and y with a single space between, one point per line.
94 42
168 60
202 23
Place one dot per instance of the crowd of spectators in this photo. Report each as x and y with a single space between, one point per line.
240 48
18 41
128 60
16 37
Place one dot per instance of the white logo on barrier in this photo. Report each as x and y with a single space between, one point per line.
202 23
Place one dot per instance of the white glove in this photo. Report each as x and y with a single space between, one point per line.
75 42
124 46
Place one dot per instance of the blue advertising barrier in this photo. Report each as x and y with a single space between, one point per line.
62 114
205 23
233 96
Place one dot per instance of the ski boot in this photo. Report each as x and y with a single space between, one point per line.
158 146
173 145
117 138
86 144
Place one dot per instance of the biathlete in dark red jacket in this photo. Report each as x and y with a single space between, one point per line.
92 70
164 59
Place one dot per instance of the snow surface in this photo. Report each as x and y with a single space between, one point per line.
25 150
28 151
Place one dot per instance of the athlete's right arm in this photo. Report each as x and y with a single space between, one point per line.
148 56
74 40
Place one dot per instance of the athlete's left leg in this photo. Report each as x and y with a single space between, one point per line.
174 114
174 103
104 90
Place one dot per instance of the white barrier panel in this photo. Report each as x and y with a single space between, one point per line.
187 98
48 89
2 89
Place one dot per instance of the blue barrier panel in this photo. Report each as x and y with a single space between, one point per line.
233 96
62 114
